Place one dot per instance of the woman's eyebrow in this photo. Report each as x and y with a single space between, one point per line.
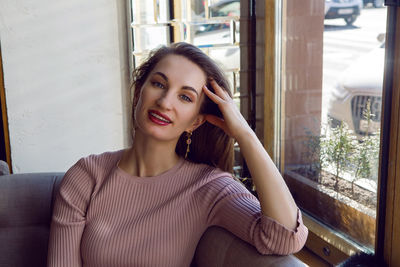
162 75
191 89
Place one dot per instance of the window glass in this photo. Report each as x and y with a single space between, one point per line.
211 25
334 66
229 9
150 27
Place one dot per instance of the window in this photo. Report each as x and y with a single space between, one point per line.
325 60
333 96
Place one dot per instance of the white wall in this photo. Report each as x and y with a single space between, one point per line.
65 72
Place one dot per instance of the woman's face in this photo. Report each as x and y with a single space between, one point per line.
170 99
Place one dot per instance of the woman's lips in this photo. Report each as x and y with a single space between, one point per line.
159 118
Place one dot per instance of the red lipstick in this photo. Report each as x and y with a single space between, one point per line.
159 118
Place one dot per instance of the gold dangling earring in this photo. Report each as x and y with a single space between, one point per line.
188 142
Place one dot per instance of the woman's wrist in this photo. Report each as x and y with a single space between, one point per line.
245 135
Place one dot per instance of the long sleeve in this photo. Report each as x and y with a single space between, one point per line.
68 219
234 208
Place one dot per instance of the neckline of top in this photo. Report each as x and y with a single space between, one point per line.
148 179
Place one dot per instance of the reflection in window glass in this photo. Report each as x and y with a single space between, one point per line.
211 25
149 37
334 77
150 27
230 8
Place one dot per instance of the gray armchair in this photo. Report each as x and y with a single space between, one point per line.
26 203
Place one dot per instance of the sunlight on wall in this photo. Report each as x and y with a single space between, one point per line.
62 75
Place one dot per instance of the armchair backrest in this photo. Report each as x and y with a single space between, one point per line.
26 204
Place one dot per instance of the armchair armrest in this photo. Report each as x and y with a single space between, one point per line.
220 248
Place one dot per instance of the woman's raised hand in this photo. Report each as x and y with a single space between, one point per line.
233 123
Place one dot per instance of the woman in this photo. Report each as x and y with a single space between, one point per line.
149 205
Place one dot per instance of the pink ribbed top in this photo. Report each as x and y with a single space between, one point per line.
105 217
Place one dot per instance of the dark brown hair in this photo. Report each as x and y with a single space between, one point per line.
210 144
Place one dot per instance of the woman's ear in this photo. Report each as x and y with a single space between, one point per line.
200 119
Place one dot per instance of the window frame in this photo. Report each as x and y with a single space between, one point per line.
3 104
388 223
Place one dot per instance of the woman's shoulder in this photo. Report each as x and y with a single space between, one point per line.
90 171
103 159
96 163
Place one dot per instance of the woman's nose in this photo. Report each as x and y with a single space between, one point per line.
165 101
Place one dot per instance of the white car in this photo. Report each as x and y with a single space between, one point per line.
375 3
362 81
348 10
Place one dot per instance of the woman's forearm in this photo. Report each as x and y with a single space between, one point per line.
274 196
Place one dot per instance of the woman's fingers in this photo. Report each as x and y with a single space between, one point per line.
233 122
218 90
217 122
220 95
215 98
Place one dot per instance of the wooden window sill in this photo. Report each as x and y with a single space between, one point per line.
327 244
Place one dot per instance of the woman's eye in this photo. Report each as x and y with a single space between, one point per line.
186 98
160 85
